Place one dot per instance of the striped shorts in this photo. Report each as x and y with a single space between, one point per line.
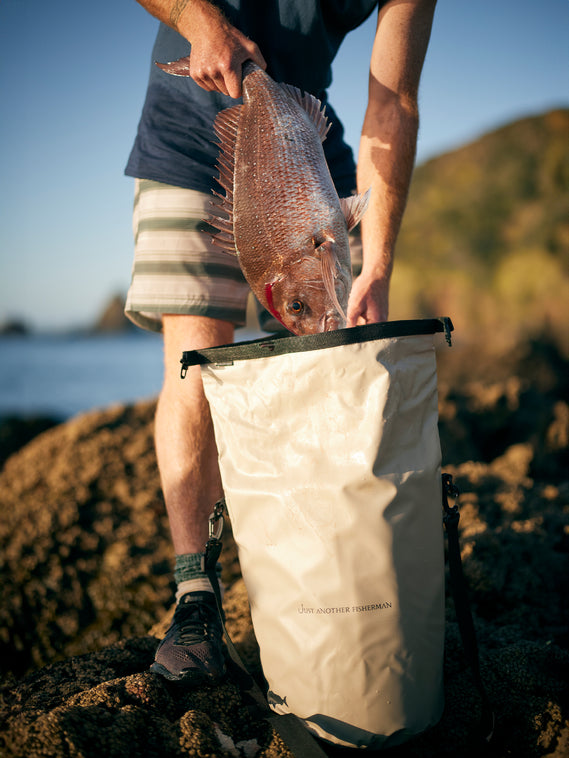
178 270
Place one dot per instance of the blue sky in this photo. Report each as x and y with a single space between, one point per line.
72 82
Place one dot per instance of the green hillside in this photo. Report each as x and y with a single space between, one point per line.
485 238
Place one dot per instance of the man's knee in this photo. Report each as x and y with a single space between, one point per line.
183 332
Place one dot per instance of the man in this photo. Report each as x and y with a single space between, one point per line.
195 293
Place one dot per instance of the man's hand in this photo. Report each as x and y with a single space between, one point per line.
369 300
219 50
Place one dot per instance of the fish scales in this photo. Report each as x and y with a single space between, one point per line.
279 168
280 212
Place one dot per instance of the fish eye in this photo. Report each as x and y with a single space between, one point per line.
296 307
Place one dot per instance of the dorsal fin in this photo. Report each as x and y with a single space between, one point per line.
225 127
354 207
313 108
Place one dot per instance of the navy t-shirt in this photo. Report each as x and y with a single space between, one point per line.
175 143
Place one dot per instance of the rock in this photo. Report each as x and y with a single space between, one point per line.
112 319
86 585
15 432
16 327
84 540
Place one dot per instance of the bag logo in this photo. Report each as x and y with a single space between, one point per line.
346 608
276 699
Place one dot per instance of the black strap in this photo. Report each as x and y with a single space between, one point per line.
459 589
290 728
261 348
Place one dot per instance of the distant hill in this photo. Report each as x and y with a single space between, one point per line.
112 318
485 238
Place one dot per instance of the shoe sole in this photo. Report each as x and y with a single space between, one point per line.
192 676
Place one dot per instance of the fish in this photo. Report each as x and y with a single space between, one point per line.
280 212
275 699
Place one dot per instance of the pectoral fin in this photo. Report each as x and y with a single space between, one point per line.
329 268
354 207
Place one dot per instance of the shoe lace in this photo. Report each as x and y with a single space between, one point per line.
194 624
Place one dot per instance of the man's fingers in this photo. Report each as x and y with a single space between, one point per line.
257 58
225 80
209 78
220 69
233 80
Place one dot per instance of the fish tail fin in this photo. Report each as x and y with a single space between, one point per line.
329 275
181 67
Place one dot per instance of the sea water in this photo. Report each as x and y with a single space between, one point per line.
60 376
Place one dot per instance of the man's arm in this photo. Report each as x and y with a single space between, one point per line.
218 48
387 147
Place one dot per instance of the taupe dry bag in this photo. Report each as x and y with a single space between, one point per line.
331 466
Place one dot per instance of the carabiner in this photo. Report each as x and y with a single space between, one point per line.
216 520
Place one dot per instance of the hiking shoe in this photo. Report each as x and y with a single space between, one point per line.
191 649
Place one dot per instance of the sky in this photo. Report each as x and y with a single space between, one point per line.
72 82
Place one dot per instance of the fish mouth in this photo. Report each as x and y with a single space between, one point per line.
332 321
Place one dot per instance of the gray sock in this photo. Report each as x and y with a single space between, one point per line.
188 566
190 577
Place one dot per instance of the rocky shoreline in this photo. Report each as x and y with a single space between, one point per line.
86 586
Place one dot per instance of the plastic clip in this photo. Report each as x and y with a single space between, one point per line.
447 324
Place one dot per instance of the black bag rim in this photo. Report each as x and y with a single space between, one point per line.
281 345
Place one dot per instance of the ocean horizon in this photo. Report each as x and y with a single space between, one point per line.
59 376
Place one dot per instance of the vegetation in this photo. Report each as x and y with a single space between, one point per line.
485 238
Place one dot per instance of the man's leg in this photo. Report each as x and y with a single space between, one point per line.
185 445
178 269
191 483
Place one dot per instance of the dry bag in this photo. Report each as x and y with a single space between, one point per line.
330 460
